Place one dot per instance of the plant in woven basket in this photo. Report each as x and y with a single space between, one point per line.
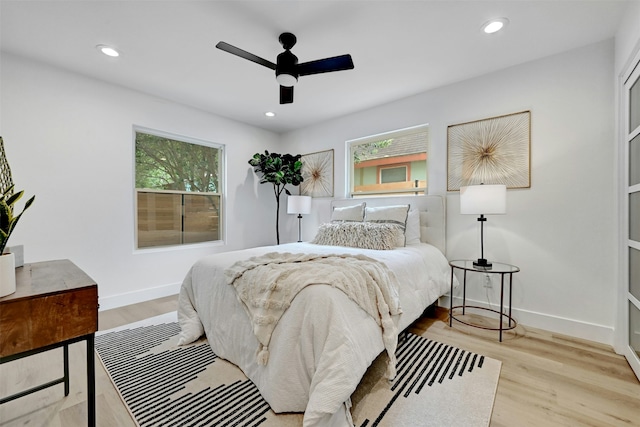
280 170
8 219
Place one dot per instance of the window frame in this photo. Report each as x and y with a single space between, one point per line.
222 187
350 168
407 171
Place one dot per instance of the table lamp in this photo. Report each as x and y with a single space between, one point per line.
300 205
483 200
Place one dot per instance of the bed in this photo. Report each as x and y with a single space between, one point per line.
323 343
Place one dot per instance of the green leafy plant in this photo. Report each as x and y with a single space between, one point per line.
8 220
279 170
369 150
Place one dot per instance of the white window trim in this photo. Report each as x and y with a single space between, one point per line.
222 166
349 170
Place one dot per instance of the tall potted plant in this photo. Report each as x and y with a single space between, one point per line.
279 170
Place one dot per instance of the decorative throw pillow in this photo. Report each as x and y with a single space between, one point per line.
396 215
363 235
412 232
348 213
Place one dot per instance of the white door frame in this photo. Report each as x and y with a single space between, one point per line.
630 75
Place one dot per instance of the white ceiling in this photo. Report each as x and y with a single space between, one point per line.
399 48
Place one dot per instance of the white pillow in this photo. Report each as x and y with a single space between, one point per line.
412 233
396 215
363 235
348 213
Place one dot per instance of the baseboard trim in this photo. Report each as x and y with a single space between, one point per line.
120 300
575 328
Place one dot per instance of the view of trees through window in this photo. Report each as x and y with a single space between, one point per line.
178 183
393 163
369 150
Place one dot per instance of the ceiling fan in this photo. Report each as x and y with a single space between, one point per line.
287 68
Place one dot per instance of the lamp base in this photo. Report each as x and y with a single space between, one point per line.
481 262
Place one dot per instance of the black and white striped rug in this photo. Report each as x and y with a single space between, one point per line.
163 384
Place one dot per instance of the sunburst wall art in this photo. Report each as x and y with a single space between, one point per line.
490 151
317 171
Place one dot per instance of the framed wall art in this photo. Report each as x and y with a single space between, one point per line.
317 171
490 151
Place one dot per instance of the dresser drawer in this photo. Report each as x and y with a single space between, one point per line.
55 301
32 323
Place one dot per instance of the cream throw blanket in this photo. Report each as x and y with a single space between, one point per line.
266 285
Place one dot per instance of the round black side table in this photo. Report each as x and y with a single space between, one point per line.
497 268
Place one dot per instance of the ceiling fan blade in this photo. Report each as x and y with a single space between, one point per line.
244 54
286 94
337 63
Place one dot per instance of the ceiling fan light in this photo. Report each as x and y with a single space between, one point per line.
286 80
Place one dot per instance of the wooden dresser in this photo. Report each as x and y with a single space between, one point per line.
55 304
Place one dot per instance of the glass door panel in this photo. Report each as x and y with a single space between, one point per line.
634 216
634 273
634 329
634 106
634 161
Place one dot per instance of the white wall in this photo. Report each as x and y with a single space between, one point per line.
69 141
628 36
560 232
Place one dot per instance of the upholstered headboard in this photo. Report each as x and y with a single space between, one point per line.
432 214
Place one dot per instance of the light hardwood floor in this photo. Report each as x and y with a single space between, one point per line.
546 379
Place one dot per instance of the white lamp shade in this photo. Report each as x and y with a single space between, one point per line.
299 205
483 199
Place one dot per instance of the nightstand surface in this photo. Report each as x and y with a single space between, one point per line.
496 267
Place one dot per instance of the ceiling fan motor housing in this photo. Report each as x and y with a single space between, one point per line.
286 66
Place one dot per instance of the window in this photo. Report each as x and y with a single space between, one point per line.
390 163
179 185
393 174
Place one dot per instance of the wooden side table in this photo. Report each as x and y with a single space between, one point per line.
497 268
55 304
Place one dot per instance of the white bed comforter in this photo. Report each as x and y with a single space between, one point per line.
323 343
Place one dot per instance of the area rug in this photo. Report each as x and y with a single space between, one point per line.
163 384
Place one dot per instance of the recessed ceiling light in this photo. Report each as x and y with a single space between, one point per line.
108 50
494 25
270 114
